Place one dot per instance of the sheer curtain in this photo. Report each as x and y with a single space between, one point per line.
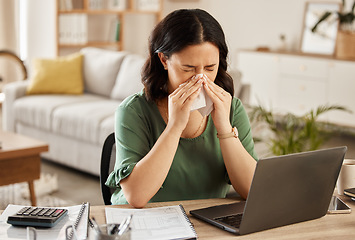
9 70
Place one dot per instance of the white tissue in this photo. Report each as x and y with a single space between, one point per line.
202 103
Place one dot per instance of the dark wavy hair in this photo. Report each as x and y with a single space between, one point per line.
179 29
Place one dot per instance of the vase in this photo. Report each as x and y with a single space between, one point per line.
345 45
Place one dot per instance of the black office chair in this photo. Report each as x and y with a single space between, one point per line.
108 159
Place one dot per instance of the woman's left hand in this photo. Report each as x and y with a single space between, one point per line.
222 102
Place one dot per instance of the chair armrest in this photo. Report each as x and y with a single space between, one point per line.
12 91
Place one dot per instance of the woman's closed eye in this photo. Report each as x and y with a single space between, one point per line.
188 68
209 69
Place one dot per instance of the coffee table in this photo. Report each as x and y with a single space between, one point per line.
20 160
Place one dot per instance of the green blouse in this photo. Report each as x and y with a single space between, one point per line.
197 171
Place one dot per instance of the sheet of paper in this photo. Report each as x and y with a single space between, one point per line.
154 223
7 231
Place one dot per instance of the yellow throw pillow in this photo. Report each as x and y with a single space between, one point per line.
62 75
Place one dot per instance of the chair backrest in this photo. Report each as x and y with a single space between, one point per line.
108 159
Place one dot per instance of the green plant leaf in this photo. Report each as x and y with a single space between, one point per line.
293 133
321 19
344 18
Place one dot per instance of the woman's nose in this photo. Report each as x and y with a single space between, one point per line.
199 71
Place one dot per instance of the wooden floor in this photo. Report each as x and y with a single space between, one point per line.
74 186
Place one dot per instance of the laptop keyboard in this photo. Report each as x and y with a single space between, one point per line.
232 220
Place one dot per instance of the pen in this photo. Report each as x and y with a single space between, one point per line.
96 226
90 223
121 225
125 225
113 229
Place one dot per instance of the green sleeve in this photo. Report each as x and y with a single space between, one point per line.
240 120
132 142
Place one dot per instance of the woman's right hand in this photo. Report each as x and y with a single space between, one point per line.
180 101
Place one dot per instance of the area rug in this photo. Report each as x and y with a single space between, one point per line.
19 194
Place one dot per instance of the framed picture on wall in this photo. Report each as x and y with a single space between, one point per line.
323 40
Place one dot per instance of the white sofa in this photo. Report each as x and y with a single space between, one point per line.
75 126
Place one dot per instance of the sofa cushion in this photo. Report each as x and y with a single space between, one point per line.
62 75
83 120
37 110
100 69
128 79
106 128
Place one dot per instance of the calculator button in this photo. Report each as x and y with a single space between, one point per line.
47 214
36 211
41 213
57 212
28 211
23 210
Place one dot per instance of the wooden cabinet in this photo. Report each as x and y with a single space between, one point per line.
98 23
260 75
301 84
297 83
342 91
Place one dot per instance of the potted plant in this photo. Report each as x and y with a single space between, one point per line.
291 133
345 46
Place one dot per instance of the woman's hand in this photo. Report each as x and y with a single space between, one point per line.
222 102
180 102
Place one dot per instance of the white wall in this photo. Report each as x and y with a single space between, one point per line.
247 24
253 23
39 18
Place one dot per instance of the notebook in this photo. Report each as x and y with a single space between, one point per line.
160 223
285 190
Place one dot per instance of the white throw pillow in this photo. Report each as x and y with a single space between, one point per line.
100 69
128 79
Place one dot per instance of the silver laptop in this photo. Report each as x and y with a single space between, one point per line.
285 189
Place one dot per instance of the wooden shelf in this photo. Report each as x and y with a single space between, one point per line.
110 13
93 12
298 53
91 44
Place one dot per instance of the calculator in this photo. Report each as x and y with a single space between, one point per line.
37 216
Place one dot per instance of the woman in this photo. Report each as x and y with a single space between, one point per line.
165 151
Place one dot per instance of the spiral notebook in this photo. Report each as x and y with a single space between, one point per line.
169 222
84 210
